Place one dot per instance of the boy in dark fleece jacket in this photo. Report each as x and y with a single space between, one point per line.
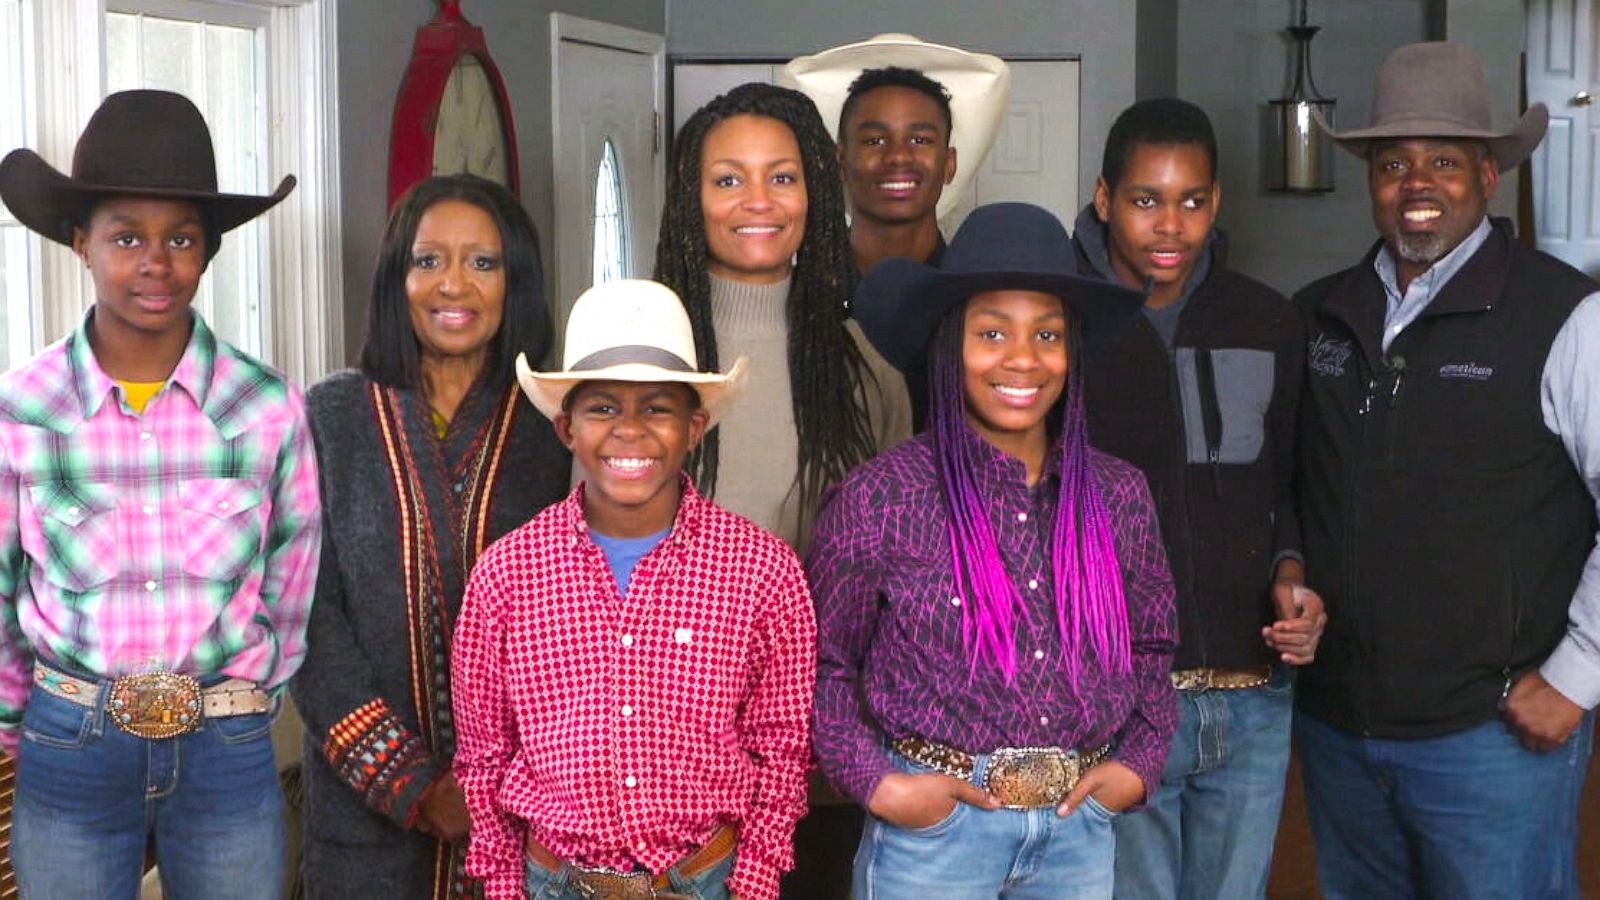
1200 394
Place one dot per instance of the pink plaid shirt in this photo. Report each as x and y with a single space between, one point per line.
622 731
185 539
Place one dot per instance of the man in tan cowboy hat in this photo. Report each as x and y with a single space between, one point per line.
633 668
1450 468
160 529
915 121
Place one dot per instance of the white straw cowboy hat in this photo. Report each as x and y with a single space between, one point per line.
979 86
629 330
1438 90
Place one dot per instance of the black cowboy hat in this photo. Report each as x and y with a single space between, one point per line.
138 143
1001 246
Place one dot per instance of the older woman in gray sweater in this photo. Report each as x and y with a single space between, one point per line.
428 454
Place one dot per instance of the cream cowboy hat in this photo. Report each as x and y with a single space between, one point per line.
629 330
1438 90
979 86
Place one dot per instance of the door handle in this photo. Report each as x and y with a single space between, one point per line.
1582 98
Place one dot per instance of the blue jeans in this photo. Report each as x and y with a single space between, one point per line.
977 854
1468 815
89 797
539 883
1210 830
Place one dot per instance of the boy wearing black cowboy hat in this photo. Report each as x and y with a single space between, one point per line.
1448 480
159 535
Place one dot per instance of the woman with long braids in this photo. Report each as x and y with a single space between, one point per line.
994 608
753 238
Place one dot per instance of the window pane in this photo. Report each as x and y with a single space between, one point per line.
216 67
16 327
610 225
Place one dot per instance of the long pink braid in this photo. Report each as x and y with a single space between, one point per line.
1087 576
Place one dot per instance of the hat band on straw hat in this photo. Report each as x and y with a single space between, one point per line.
636 354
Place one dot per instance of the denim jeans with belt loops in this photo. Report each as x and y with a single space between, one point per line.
979 854
90 796
1210 829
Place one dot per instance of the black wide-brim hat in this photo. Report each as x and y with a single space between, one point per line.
137 144
1001 246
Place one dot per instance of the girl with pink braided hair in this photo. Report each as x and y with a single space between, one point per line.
995 610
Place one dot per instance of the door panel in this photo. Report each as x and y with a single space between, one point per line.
1562 73
605 93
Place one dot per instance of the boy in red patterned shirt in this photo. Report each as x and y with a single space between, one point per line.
633 667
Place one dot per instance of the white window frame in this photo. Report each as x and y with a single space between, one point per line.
20 342
305 326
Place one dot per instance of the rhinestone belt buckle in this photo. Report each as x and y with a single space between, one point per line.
1030 777
155 705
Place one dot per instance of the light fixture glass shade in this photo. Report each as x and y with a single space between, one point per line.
1298 154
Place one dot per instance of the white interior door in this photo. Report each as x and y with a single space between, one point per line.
1562 73
607 85
1035 154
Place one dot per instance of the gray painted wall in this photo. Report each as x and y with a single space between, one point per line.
1100 32
1233 56
374 45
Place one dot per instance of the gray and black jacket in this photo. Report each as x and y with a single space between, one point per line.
1210 420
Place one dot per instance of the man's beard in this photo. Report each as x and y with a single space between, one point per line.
1423 249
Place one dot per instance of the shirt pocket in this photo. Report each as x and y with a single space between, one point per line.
223 526
1231 387
79 524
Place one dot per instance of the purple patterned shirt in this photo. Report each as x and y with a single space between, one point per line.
185 538
891 661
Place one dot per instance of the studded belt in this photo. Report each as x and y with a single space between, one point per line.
156 705
1221 679
1019 777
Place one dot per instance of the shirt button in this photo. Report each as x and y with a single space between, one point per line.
627 640
73 510
627 710
224 506
630 781
1022 517
1033 584
150 585
1038 654
458 487
145 435
149 510
955 601
1044 720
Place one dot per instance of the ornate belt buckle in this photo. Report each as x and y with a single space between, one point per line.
1030 777
155 705
603 884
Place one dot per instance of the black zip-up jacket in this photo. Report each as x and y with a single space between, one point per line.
1211 423
1445 525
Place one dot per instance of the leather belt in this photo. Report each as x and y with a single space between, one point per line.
606 884
1221 679
1019 777
156 705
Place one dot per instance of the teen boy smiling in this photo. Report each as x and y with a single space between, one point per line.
633 668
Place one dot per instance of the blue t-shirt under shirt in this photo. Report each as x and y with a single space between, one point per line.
622 554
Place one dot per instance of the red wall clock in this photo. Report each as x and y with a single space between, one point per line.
453 113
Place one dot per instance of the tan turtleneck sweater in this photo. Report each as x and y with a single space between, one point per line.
759 455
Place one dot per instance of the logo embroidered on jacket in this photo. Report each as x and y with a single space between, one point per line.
1327 355
1469 371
